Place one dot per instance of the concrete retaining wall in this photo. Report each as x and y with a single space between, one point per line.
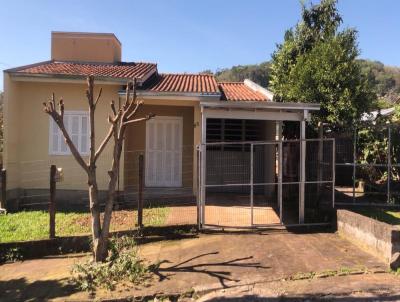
380 238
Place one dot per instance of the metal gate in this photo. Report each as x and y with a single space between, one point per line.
265 183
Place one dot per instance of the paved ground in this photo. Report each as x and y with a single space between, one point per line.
232 216
211 263
369 287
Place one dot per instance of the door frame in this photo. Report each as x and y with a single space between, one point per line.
179 119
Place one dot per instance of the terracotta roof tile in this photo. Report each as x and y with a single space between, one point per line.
121 70
238 91
186 83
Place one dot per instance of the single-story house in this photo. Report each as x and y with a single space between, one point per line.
190 109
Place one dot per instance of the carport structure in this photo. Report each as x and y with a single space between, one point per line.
251 176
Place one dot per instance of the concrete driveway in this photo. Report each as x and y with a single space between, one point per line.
210 262
222 261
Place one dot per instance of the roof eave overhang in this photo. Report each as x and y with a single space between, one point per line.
262 105
43 77
202 97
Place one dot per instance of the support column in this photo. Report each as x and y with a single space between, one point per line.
203 149
302 169
278 137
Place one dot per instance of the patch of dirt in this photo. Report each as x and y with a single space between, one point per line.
121 220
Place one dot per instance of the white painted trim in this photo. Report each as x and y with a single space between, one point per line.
253 115
21 77
261 105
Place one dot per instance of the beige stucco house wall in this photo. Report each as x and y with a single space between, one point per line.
26 152
67 46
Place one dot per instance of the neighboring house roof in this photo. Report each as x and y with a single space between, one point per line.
242 91
121 70
184 83
373 115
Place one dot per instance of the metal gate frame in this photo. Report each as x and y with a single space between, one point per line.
201 196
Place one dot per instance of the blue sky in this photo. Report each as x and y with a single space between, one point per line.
186 35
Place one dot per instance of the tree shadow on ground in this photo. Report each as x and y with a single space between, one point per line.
43 290
205 268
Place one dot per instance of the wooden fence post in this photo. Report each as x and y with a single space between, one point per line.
3 201
140 191
52 204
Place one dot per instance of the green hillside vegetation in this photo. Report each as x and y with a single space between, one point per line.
258 73
385 79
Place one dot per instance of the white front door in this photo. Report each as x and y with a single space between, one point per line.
164 152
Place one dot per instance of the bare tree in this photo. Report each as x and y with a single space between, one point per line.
118 120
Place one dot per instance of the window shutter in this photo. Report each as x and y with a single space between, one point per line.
55 137
77 125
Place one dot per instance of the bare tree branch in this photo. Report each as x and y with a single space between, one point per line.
58 119
146 118
98 96
113 107
89 95
138 103
104 142
61 106
134 86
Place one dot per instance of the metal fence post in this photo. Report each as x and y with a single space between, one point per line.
320 159
333 171
251 183
140 192
389 163
280 181
3 201
52 204
354 163
198 195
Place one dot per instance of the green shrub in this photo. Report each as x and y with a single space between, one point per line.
122 264
11 255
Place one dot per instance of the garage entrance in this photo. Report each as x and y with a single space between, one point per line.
251 176
256 184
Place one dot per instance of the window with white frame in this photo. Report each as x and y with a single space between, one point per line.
77 125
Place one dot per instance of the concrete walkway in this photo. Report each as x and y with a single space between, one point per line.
208 263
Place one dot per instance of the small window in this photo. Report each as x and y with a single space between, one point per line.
77 125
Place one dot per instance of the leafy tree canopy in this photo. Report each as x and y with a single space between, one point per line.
317 63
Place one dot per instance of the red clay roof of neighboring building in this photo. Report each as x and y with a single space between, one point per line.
118 70
238 91
186 83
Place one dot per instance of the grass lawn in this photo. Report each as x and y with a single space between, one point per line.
33 225
384 215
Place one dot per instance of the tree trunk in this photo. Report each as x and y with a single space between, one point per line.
113 174
98 242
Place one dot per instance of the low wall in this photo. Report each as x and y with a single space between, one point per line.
380 238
